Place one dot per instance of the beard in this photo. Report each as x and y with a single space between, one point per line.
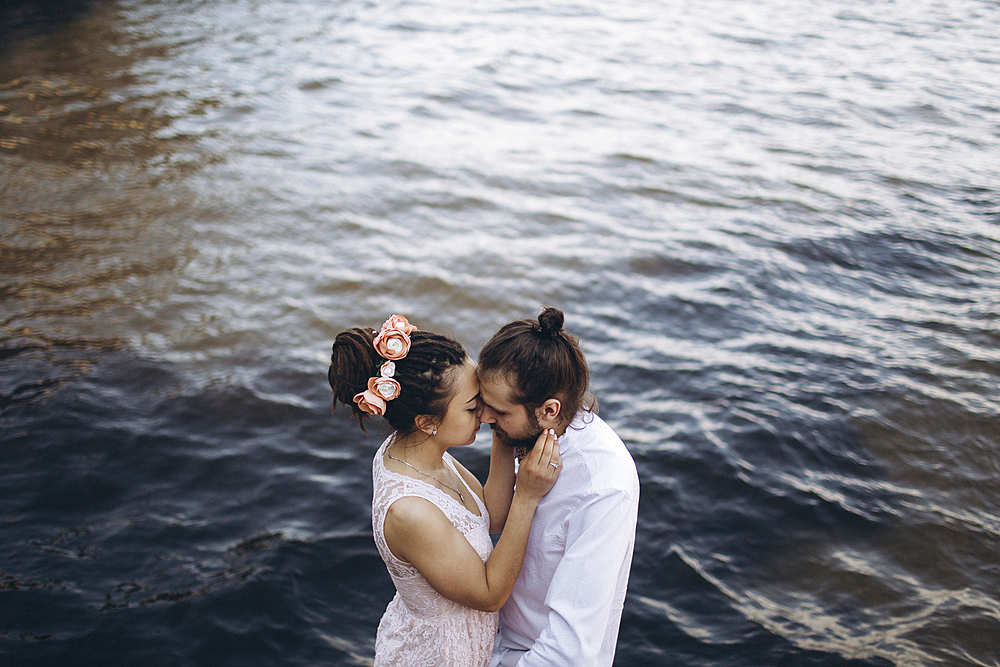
523 442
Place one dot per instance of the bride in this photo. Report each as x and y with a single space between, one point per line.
431 518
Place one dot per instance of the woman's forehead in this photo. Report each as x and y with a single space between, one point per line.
467 382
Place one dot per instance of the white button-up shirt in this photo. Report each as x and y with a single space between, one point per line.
566 606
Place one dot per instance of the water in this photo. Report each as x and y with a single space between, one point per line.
773 225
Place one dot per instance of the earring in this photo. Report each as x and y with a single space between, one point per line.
434 432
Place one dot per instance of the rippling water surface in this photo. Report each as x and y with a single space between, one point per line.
774 226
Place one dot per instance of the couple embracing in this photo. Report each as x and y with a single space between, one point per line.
562 492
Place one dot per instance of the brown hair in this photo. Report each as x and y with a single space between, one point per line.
425 384
540 361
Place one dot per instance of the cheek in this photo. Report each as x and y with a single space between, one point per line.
468 420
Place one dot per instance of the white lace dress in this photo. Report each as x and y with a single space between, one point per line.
420 627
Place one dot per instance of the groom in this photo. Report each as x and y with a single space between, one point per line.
566 606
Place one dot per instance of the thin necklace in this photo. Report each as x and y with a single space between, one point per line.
428 475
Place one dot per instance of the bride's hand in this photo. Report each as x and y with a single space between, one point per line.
538 470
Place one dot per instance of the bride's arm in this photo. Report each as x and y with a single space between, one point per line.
417 532
499 488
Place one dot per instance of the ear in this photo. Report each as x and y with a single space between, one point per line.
548 413
426 424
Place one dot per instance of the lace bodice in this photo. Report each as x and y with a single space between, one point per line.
420 627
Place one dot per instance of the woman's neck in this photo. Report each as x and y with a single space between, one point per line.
419 450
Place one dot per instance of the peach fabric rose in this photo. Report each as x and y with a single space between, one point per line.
371 403
384 387
399 323
392 344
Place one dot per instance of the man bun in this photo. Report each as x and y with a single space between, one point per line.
539 360
550 321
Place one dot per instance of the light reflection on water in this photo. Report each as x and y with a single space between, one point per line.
773 227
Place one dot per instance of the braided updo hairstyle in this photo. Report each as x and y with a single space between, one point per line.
540 360
426 386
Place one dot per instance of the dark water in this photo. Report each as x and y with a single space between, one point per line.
775 227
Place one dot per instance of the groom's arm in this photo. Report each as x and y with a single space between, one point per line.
585 595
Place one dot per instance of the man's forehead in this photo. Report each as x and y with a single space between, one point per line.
496 387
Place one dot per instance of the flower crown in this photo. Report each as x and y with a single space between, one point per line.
392 343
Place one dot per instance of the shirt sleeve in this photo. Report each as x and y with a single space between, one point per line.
586 589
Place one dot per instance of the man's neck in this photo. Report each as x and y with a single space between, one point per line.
562 426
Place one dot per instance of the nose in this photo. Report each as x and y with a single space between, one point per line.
487 415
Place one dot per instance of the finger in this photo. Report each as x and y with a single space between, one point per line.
550 450
555 461
535 455
552 447
542 450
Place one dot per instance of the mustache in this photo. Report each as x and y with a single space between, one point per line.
526 443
